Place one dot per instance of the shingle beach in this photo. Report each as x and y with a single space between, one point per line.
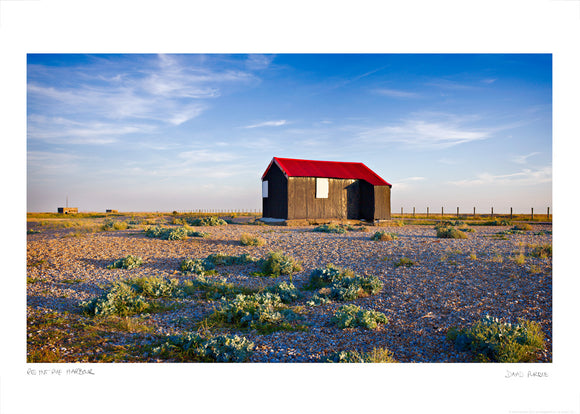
451 283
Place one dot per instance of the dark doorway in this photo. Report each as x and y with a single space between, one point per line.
353 201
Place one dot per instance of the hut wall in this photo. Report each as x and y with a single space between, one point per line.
276 204
343 200
382 201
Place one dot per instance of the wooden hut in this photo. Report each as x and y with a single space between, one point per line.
305 189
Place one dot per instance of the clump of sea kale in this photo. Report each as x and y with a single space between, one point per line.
334 283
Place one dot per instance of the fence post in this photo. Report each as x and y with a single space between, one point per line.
511 213
492 212
473 211
532 214
548 213
401 212
427 212
413 212
457 212
441 213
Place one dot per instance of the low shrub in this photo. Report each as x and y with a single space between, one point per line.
197 266
218 259
286 291
323 276
129 262
111 225
384 236
342 285
194 347
404 261
247 239
450 233
263 312
352 316
522 226
491 340
330 228
212 289
207 221
276 264
377 355
179 233
451 223
154 286
495 222
121 300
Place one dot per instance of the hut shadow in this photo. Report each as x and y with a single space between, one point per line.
59 304
98 263
216 243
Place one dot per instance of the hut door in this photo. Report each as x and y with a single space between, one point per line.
353 201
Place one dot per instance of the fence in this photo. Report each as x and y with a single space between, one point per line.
221 211
414 214
430 214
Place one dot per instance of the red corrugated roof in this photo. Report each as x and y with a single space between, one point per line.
326 169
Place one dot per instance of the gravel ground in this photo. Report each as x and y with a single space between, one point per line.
452 283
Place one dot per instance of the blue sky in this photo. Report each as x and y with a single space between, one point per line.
184 132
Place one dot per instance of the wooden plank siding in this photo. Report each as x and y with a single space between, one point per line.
343 200
382 203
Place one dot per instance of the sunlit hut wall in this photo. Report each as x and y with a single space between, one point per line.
308 189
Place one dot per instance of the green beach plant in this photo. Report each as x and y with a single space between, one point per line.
492 340
352 316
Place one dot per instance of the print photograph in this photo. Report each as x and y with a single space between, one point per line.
289 208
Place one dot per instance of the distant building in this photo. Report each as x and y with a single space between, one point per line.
68 210
112 211
306 189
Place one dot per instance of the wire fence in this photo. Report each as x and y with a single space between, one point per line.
430 213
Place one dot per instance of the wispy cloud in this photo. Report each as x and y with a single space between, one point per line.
520 178
207 155
417 132
450 84
412 179
165 90
278 123
59 130
395 93
523 159
258 62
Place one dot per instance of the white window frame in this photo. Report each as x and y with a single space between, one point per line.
322 186
264 189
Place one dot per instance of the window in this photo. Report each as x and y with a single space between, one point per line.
322 188
264 189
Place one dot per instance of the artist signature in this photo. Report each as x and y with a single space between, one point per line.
526 374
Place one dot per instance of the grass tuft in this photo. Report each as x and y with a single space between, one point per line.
384 236
276 264
247 239
377 355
